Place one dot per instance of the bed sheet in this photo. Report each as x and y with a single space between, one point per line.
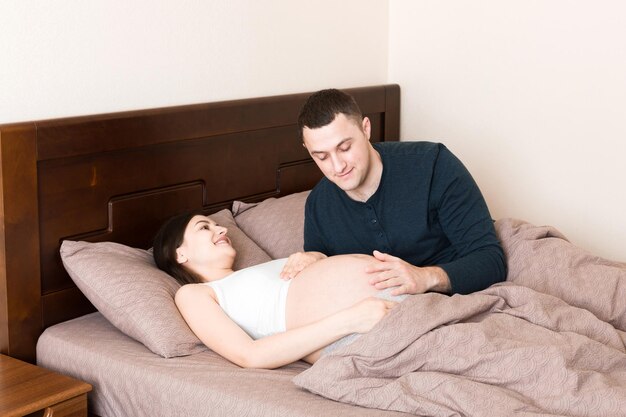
129 380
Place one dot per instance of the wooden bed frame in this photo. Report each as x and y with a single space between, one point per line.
116 177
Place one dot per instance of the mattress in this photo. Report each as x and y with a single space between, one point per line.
129 380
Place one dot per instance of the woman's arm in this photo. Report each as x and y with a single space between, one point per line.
218 332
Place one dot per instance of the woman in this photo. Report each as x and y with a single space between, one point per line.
254 318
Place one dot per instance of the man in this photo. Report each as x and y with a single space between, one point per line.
412 205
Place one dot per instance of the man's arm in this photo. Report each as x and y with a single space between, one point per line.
314 248
465 219
462 214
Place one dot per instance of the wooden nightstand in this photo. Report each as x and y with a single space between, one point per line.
28 390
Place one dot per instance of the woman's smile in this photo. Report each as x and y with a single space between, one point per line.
223 240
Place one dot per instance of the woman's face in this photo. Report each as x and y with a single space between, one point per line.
205 244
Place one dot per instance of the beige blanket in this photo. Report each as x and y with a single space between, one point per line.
549 341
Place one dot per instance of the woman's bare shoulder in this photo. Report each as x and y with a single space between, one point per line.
190 292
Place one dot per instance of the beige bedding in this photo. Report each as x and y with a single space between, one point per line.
549 341
129 380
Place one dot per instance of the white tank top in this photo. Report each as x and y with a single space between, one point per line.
255 298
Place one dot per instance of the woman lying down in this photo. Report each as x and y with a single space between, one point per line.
254 318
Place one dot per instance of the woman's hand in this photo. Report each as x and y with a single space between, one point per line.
365 314
298 261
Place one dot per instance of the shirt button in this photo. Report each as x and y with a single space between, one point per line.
373 221
380 235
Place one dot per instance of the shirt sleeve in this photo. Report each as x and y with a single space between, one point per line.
313 241
465 219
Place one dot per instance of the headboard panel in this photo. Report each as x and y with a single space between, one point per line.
118 176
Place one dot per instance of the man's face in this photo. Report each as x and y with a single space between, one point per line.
342 151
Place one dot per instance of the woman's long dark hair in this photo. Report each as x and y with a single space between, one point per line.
169 238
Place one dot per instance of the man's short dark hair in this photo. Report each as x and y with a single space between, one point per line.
322 107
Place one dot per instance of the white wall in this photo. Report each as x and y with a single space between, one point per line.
74 57
531 95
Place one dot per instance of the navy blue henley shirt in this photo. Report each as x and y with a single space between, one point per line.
427 211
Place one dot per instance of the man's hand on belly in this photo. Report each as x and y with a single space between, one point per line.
390 271
297 262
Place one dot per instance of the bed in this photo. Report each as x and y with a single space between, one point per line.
116 177
82 198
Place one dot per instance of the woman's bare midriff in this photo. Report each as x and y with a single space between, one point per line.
327 286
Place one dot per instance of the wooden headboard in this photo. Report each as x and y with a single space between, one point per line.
118 176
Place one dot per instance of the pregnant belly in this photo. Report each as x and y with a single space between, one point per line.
326 287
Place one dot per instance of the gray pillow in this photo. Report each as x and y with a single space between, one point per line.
125 285
275 224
